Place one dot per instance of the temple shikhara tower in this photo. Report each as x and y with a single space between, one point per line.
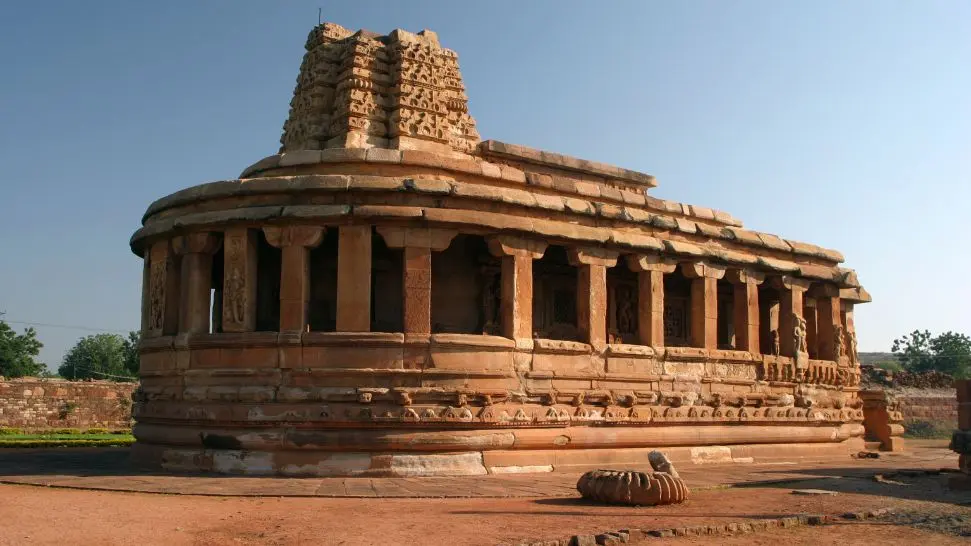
389 295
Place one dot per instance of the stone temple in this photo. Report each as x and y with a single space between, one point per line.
390 295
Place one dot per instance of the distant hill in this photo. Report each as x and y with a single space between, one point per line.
880 360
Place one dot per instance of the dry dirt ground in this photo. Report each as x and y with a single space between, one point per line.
539 508
38 515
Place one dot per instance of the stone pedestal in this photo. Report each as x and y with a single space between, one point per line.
882 419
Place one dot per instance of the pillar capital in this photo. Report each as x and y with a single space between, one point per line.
824 290
744 276
700 269
196 243
651 262
592 256
508 245
284 236
788 282
416 237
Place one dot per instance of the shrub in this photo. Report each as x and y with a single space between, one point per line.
9 431
97 431
71 431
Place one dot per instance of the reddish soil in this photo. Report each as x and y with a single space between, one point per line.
37 515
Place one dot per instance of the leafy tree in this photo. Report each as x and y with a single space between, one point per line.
17 352
101 356
949 352
131 352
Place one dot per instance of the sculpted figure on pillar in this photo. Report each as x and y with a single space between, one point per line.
776 349
854 358
838 345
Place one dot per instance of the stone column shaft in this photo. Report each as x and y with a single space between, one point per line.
418 245
418 290
650 296
746 315
239 280
592 304
164 291
592 264
354 279
704 313
791 292
294 243
146 291
704 303
196 250
829 322
516 306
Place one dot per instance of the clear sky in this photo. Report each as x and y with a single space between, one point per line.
845 124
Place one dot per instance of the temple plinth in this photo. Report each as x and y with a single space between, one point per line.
390 296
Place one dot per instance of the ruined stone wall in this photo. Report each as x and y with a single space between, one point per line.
34 404
932 405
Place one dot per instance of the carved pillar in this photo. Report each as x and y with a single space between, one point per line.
146 291
418 245
164 290
592 264
239 280
745 286
196 250
650 296
354 279
516 305
704 302
295 243
812 330
791 291
829 323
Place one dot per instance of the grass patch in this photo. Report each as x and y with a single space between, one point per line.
12 437
928 430
114 441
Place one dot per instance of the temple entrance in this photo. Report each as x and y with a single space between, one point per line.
322 311
622 305
677 309
268 262
387 267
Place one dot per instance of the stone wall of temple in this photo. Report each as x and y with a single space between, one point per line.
37 404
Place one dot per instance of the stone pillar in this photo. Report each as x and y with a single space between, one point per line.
829 323
295 243
650 296
812 329
592 264
704 302
418 245
791 291
164 291
196 250
516 306
354 279
146 291
745 285
239 280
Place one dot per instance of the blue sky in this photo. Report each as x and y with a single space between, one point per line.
845 124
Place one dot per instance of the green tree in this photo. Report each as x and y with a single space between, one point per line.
131 352
101 356
949 352
18 352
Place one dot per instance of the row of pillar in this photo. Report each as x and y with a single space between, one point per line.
177 299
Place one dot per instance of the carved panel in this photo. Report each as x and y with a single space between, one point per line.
676 321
